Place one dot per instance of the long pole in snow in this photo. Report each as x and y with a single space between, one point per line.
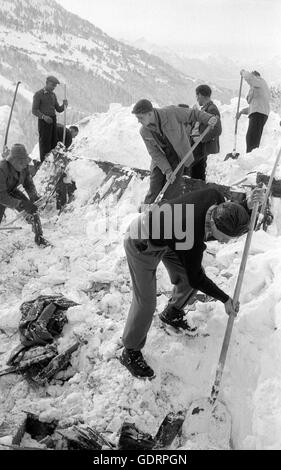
64 117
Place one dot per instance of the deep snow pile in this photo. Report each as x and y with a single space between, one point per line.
88 249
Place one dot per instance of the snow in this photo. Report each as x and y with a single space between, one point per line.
88 248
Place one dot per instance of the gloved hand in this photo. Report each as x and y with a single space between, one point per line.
65 103
28 207
170 177
47 119
230 308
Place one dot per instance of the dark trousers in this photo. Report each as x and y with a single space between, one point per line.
48 137
158 181
17 194
143 267
198 168
254 133
64 192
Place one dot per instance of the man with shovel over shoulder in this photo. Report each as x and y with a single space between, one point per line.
14 171
175 233
164 132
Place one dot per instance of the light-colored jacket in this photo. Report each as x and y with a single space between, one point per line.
174 121
259 94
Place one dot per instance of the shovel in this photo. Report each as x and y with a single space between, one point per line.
234 154
182 162
208 419
64 117
10 117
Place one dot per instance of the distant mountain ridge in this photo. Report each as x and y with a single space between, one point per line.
38 38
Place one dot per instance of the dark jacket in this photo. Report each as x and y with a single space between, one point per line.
173 121
191 224
68 136
10 179
210 143
45 102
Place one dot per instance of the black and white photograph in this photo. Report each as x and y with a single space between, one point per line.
140 229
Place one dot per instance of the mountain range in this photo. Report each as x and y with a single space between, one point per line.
41 38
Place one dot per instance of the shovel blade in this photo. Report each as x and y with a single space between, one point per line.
233 155
207 425
169 429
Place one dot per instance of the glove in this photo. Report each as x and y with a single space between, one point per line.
28 207
47 119
65 103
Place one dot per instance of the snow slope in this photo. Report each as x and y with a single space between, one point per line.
88 248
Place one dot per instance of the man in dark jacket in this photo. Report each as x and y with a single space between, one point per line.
65 191
175 233
164 132
14 171
210 143
45 105
70 134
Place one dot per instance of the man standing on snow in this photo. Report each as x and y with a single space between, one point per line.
210 143
45 105
13 172
64 191
164 132
175 233
258 109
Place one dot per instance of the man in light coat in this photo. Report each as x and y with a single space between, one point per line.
258 110
164 132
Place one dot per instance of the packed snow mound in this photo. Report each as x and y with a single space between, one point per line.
114 136
88 265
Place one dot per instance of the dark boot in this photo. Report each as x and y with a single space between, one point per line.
175 317
136 364
41 241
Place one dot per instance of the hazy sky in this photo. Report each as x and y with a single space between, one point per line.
234 27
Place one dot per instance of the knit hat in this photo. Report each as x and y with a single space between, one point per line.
231 219
19 152
53 79
142 107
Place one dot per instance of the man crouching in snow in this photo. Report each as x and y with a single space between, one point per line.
14 170
175 233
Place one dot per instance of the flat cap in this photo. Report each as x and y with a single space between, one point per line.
53 79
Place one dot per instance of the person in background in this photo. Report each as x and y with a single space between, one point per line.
258 110
65 190
210 143
164 132
44 107
14 171
70 134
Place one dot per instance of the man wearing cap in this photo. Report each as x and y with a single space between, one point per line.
175 233
14 171
165 134
45 105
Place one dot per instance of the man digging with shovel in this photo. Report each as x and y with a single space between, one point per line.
175 233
